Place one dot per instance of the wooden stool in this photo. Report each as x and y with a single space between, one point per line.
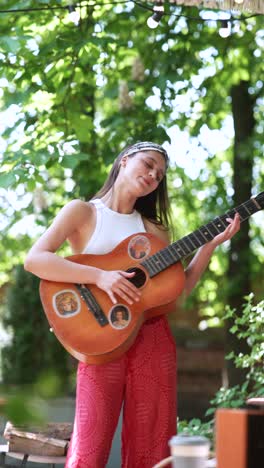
4 452
24 457
46 444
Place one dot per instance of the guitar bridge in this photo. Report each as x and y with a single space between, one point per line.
92 304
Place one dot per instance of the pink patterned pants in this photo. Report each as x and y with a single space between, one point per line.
144 380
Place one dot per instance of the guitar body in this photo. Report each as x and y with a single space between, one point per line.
98 337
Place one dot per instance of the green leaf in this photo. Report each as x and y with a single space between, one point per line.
31 185
7 179
69 161
10 44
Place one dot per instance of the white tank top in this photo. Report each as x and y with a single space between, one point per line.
111 228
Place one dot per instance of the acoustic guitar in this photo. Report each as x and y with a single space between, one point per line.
90 326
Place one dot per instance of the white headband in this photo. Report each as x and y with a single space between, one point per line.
146 146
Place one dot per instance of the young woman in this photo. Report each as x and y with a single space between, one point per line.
134 199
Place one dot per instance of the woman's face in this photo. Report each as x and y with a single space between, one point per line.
119 315
144 171
67 305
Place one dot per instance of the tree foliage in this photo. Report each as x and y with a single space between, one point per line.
34 350
80 93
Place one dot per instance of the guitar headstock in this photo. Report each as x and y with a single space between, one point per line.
260 199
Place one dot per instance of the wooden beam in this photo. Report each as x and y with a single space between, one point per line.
61 430
247 6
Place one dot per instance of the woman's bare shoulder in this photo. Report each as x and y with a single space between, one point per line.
68 223
70 220
77 204
75 209
79 218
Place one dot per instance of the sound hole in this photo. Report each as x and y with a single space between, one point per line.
139 278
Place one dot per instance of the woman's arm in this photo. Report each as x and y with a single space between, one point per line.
43 262
201 260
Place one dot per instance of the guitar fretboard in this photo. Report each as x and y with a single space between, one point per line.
188 244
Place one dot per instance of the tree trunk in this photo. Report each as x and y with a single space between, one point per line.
86 169
239 255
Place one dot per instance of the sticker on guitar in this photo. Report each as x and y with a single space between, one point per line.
119 316
139 247
66 303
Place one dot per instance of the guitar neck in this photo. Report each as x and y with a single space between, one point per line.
188 244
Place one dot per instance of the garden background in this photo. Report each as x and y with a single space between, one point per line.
80 82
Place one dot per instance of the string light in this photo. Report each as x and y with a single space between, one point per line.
74 15
225 29
153 22
158 12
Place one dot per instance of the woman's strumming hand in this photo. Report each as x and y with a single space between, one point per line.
116 282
